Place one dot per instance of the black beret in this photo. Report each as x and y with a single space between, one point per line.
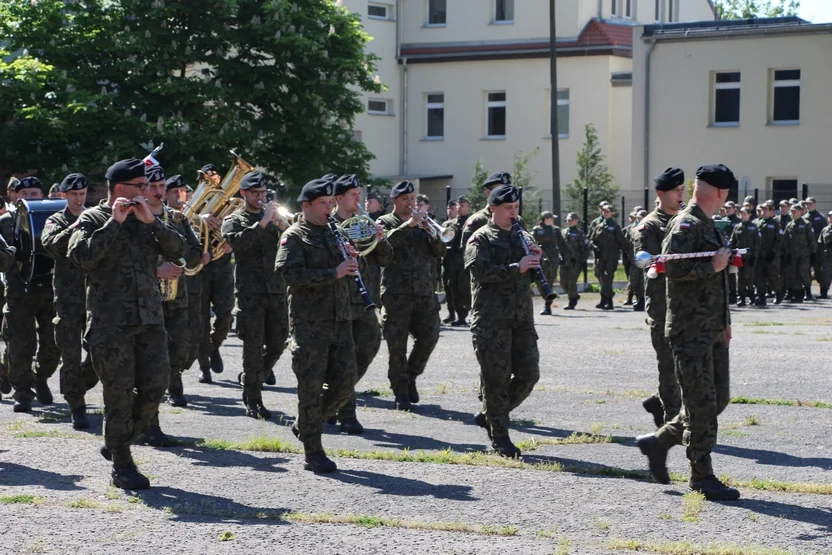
503 194
28 183
208 168
497 178
73 181
330 177
669 179
253 180
345 183
716 175
188 189
125 170
174 182
402 188
155 173
315 189
373 196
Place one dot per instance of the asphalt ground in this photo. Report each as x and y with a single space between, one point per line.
582 487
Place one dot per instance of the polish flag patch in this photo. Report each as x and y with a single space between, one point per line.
284 240
684 225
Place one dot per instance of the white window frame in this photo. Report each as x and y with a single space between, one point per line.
560 102
495 104
628 9
659 11
427 15
388 107
503 21
671 10
434 106
622 8
775 84
387 10
723 86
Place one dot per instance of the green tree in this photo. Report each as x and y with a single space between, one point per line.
747 9
592 174
95 81
475 193
520 177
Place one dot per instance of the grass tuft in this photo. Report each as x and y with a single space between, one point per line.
20 500
226 536
752 420
83 504
688 548
780 402
692 502
368 521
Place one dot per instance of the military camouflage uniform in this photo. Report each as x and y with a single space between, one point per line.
125 322
732 278
260 297
648 236
767 266
366 330
457 284
504 336
575 253
636 276
551 242
408 298
28 321
799 244
70 306
6 262
824 257
608 241
697 317
746 235
217 292
195 317
321 342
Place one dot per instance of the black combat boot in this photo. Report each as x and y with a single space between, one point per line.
206 376
271 379
732 298
449 318
656 455
482 421
5 385
461 316
808 296
79 418
741 301
548 310
402 402
22 405
176 397
217 365
319 463
824 293
603 304
639 306
797 296
609 305
255 409
105 452
128 477
713 489
42 392
351 426
778 298
412 392
629 301
155 437
571 305
653 405
332 421
761 301
504 447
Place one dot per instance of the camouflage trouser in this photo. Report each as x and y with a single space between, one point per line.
366 334
732 284
702 369
550 270
194 318
569 280
509 369
446 285
767 275
28 326
217 291
262 325
605 272
745 281
456 281
798 274
635 282
824 270
133 366
77 377
668 385
322 353
405 315
176 327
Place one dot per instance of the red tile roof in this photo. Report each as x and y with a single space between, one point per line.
603 33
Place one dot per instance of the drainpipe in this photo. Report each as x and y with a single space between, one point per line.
404 117
401 85
647 108
600 9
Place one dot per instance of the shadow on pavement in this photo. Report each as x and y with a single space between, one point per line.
12 474
186 506
820 516
230 458
773 457
408 487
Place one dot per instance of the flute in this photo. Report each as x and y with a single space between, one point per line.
368 302
548 294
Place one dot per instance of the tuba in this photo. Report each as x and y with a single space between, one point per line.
361 231
215 200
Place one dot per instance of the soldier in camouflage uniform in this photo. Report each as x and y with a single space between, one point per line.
799 245
70 300
699 330
575 253
366 330
627 259
118 245
407 295
6 263
607 240
457 278
217 294
505 340
746 235
824 257
767 267
549 237
254 232
818 222
648 237
734 220
320 312
451 212
635 279
29 313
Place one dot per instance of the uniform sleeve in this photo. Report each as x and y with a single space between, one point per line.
6 256
680 241
483 268
291 264
623 244
55 238
437 247
397 234
170 243
647 240
383 253
813 243
560 244
242 238
89 246
193 247
732 241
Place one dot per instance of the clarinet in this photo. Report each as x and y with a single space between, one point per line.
368 302
548 294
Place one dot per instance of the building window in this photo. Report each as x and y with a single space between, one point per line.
437 13
786 96
671 12
504 11
783 189
496 115
659 11
378 11
563 113
622 8
435 116
379 107
727 98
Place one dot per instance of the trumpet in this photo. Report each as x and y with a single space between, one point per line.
282 216
444 234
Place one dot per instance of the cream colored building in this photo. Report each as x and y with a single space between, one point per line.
469 79
751 95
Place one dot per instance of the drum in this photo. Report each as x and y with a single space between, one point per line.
29 220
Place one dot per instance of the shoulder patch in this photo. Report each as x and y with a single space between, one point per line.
472 240
684 224
284 240
641 227
539 232
469 223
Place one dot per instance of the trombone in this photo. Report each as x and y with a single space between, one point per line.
444 234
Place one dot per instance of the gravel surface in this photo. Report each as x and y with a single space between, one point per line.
595 368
